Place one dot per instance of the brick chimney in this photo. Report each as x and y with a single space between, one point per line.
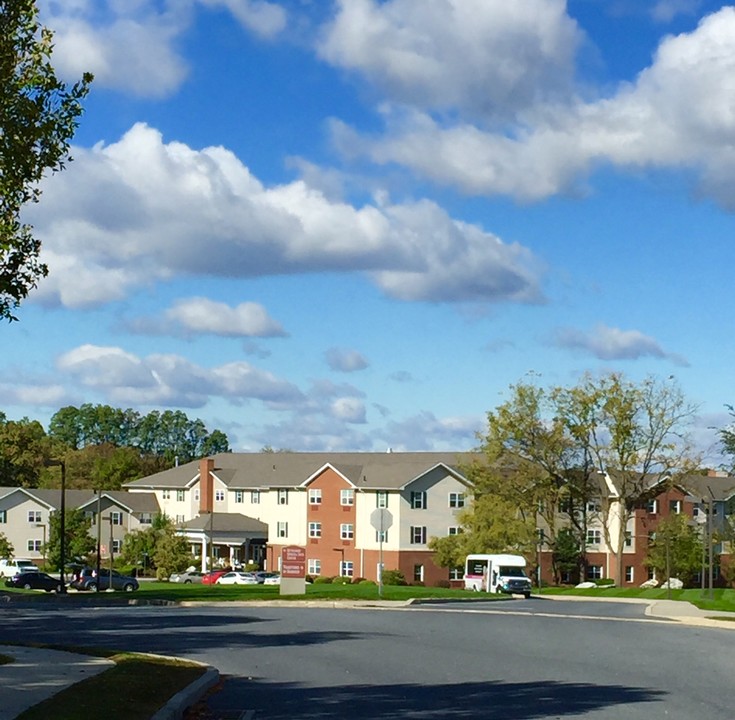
206 485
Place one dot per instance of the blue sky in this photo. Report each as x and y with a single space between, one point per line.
351 225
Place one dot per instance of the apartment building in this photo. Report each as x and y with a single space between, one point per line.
321 501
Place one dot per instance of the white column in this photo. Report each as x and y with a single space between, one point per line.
204 553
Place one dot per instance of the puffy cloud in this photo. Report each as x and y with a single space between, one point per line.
425 431
345 360
266 19
171 380
201 316
139 211
349 409
489 56
679 112
608 343
131 45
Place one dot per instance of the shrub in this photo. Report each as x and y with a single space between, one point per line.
393 577
368 582
342 580
357 580
252 567
323 580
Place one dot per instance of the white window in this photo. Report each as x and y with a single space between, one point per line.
315 529
456 500
628 539
347 496
418 573
314 567
347 531
594 506
282 529
381 499
629 573
283 497
652 506
454 530
346 568
379 533
239 496
196 495
34 516
594 537
594 572
116 518
180 495
675 507
418 500
315 496
35 545
180 519
166 494
3 516
219 495
418 535
116 546
146 519
255 497
456 573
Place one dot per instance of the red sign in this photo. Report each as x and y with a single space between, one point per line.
293 562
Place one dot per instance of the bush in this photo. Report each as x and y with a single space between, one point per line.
252 567
357 580
393 577
342 580
323 580
368 582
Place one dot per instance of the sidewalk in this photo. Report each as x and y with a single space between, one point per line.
36 675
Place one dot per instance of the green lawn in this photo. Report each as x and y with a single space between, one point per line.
133 689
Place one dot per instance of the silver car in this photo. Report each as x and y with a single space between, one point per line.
187 577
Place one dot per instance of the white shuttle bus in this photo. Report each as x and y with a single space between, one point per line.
497 574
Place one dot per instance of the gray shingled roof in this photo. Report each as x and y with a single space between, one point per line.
136 502
383 471
226 522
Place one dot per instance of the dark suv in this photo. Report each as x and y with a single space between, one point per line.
86 579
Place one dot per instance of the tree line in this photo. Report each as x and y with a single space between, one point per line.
101 446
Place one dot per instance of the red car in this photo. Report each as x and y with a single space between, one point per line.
211 578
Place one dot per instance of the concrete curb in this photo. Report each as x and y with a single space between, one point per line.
175 708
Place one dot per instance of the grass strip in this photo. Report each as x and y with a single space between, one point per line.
133 689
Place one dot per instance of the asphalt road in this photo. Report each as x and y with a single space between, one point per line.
443 662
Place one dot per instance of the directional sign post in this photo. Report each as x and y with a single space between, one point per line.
381 519
293 570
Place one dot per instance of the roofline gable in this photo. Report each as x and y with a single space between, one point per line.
454 473
327 465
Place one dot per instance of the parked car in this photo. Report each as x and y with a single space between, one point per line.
87 579
238 578
35 580
187 577
9 568
272 579
210 578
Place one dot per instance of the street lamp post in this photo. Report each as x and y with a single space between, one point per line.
62 523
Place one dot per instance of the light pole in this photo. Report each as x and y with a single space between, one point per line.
43 525
98 493
62 522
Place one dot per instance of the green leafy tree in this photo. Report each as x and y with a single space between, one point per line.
6 548
566 553
23 448
38 118
676 550
79 543
172 554
727 438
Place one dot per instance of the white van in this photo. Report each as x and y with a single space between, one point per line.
497 574
9 568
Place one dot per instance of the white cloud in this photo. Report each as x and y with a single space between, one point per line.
344 360
139 211
201 316
133 45
680 112
171 380
607 343
266 19
490 56
425 431
349 409
667 10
